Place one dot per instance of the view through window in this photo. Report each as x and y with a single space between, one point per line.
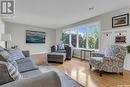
86 36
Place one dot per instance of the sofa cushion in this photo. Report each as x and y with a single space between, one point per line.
16 53
26 64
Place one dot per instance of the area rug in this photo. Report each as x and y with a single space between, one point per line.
66 81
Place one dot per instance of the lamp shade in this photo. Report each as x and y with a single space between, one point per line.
6 37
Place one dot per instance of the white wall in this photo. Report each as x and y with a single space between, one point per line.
18 32
104 19
2 30
106 24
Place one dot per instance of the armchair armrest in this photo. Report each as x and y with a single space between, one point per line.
26 53
111 59
49 79
97 54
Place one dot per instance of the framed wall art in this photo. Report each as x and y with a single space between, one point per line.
120 21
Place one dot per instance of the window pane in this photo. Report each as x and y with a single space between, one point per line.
93 37
82 37
65 38
74 40
74 37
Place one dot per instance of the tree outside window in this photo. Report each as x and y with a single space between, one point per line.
65 38
82 38
93 37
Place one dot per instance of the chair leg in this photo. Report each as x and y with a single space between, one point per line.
121 73
100 73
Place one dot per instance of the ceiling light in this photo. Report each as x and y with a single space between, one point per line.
91 8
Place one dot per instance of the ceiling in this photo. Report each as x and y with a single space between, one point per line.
58 13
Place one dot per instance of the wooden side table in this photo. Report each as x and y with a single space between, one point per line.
40 59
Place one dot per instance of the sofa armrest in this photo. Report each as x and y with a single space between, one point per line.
49 79
26 53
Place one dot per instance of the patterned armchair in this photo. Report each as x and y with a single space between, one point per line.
112 61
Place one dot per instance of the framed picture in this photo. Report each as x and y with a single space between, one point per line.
120 39
35 37
120 21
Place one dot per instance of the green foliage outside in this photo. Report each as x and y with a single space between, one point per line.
82 41
93 40
65 38
128 48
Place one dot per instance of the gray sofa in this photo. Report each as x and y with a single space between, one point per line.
31 75
49 79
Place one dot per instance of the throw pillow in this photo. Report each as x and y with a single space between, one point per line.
13 71
4 75
8 73
60 47
5 56
1 48
16 53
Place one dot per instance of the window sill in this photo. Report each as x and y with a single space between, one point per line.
85 49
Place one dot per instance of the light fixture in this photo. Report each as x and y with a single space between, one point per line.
91 8
6 38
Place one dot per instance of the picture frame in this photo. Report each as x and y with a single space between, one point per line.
34 37
120 21
120 39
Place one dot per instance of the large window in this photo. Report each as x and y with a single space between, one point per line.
86 36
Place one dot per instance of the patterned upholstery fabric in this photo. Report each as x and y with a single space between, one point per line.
112 62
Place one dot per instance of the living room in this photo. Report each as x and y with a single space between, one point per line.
65 43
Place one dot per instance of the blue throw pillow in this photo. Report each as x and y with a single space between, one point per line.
1 48
16 53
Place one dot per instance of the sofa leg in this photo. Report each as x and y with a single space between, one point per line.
100 73
90 66
121 73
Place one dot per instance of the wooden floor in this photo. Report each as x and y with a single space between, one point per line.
80 71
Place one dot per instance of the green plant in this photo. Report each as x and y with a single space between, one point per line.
128 48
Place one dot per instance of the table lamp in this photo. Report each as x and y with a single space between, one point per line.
6 38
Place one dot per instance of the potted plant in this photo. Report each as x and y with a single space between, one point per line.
128 48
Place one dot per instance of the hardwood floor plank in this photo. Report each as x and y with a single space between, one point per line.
80 71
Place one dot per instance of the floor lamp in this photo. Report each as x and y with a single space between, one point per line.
6 38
